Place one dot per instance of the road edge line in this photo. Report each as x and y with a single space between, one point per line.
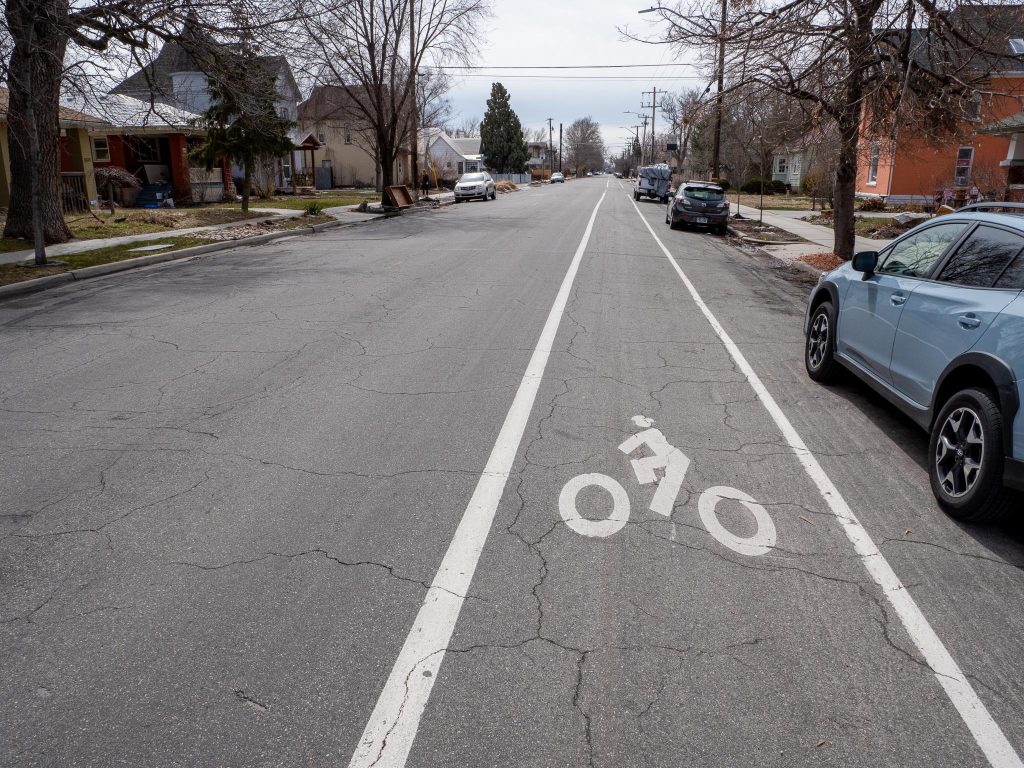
389 733
987 733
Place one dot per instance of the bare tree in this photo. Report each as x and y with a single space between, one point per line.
583 145
903 61
364 47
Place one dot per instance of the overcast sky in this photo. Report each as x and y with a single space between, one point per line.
567 32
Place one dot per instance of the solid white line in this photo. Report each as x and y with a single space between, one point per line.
986 731
392 727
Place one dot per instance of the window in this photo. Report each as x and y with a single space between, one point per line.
916 255
1017 46
100 150
321 136
962 174
348 135
972 108
983 257
1013 277
781 165
146 150
876 154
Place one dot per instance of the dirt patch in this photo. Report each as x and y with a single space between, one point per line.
505 186
826 261
763 232
262 228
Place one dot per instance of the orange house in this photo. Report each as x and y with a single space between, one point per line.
915 169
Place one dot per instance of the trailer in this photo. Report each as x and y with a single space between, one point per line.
653 181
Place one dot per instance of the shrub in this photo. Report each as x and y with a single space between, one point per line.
313 208
723 183
779 187
754 186
872 204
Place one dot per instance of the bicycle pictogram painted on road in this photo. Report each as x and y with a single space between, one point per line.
666 466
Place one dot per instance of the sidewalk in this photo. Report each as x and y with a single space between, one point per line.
822 237
78 246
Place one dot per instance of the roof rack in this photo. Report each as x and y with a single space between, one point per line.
993 206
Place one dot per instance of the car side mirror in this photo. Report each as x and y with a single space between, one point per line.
865 262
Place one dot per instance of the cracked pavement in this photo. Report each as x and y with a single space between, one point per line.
229 482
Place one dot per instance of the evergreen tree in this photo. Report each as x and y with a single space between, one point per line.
241 122
501 134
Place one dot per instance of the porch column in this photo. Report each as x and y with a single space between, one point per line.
181 180
80 149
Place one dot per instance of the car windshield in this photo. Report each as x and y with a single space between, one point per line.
472 177
704 193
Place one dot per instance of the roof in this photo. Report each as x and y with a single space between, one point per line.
304 139
126 112
69 118
1008 125
470 146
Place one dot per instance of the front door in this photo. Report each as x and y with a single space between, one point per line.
870 312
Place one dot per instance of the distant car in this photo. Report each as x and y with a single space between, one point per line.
934 322
557 178
699 203
589 173
618 175
475 185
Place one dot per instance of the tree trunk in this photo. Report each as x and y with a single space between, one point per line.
247 186
33 127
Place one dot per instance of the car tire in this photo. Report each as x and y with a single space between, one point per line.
494 194
820 345
722 229
969 431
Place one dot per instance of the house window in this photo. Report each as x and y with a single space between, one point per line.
972 108
348 135
461 171
876 154
321 136
1017 46
100 150
781 165
962 173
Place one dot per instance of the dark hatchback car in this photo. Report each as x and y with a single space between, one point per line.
700 204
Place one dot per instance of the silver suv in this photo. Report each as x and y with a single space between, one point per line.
475 185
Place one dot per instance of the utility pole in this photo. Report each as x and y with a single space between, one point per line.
559 147
653 93
644 141
715 152
551 160
414 144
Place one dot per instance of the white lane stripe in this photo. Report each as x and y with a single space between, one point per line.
986 731
392 727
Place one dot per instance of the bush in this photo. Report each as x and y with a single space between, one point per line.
754 186
313 208
872 204
779 187
723 183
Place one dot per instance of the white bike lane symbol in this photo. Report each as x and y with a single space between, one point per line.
674 465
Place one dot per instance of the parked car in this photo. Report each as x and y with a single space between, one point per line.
935 323
698 203
557 178
473 185
653 181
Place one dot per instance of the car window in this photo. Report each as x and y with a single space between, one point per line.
982 258
1013 276
472 177
703 193
916 255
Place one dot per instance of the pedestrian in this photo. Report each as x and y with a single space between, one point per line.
425 183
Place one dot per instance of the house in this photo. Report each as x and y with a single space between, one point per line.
450 157
1011 127
910 168
152 142
538 155
76 179
788 163
176 83
346 158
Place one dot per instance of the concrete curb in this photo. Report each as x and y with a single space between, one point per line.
43 283
803 266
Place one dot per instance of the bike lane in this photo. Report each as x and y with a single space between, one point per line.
742 632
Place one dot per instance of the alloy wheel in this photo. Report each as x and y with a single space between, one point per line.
959 452
817 341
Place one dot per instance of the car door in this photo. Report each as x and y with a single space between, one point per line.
945 317
869 313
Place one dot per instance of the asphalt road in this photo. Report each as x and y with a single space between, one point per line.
229 484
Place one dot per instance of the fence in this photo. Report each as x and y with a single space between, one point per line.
515 178
73 198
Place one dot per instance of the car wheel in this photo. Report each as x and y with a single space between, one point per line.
966 458
819 349
494 194
722 229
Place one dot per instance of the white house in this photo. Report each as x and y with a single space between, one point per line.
450 158
788 164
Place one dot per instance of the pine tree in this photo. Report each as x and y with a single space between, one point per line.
501 134
241 122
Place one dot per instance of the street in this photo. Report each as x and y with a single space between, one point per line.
373 497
